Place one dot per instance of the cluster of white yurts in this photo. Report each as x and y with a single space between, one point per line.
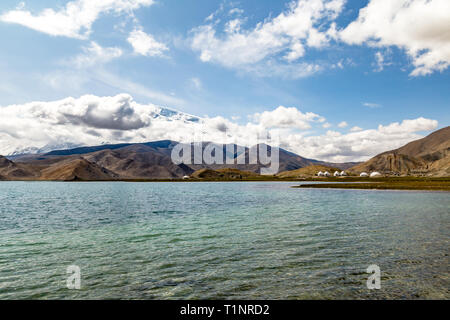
343 174
327 174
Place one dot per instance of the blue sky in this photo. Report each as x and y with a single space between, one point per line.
360 75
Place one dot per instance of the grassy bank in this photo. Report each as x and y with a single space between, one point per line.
394 183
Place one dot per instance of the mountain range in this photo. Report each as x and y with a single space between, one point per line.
152 160
130 161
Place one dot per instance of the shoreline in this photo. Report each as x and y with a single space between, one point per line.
383 183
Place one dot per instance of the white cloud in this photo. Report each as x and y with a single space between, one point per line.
417 26
326 125
85 120
235 11
233 26
356 129
94 54
343 124
145 44
301 25
75 20
420 27
419 124
92 120
358 145
379 61
283 117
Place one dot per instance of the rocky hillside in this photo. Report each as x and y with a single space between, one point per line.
139 162
77 170
13 171
427 156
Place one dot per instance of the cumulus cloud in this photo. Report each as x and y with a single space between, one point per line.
415 125
92 120
85 120
358 145
283 117
75 19
303 25
145 44
420 27
356 129
342 124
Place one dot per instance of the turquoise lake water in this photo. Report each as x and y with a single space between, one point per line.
223 240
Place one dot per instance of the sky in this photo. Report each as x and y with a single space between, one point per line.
335 80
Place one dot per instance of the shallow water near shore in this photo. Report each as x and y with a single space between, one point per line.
220 240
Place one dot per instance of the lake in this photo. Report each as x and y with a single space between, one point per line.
220 240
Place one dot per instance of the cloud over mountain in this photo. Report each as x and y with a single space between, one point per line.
92 120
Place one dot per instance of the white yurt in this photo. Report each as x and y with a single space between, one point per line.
320 174
343 173
363 174
326 174
186 177
336 174
375 174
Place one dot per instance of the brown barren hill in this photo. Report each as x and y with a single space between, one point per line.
77 170
139 162
308 171
152 160
390 162
426 156
13 171
434 143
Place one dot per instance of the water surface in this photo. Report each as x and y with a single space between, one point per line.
220 240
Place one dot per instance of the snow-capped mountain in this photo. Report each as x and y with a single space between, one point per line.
41 127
